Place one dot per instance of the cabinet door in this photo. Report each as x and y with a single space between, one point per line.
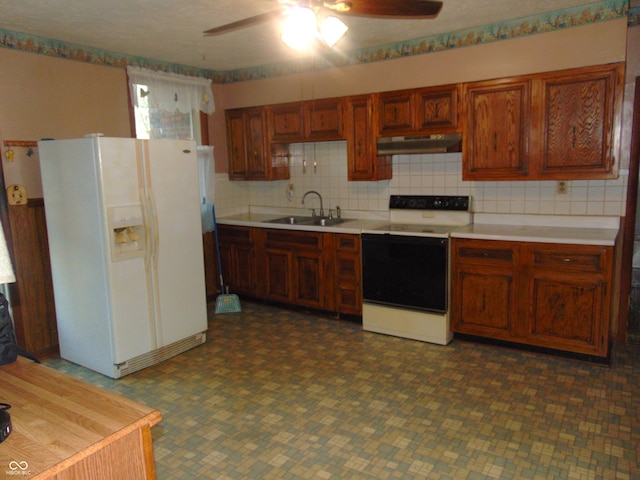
238 259
485 302
255 144
396 113
437 109
496 142
245 270
569 306
485 285
238 168
362 162
324 119
277 274
308 278
285 123
579 111
566 312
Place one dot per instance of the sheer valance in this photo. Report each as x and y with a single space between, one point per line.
171 91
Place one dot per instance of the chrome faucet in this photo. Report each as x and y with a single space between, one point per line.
319 196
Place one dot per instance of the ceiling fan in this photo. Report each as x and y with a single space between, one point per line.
320 15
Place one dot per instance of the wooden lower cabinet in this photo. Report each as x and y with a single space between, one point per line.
543 294
319 270
294 267
348 274
238 259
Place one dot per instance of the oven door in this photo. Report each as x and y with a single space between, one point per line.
405 271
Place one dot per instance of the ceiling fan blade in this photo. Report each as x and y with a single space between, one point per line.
246 22
393 8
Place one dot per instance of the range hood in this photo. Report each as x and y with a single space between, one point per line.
447 142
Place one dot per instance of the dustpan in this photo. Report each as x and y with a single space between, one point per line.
226 302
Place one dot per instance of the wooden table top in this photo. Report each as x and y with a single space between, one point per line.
58 420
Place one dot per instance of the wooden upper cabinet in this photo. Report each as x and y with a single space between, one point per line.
498 123
551 126
580 122
286 122
324 119
396 113
313 120
418 111
438 108
251 155
238 168
255 144
362 161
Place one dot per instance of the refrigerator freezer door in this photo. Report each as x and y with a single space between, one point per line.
177 258
102 312
129 285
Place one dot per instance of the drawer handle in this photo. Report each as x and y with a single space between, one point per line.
567 260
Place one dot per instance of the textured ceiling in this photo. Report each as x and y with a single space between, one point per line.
171 30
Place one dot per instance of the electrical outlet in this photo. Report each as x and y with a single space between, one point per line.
562 187
290 192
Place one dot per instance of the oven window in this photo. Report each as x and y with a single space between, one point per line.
405 271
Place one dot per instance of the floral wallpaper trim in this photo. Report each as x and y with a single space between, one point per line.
577 16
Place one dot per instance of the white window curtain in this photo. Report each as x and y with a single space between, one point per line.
171 91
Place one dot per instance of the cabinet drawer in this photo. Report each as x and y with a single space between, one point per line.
486 252
571 259
291 238
347 243
234 235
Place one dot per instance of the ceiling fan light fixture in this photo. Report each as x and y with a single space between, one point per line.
300 28
332 29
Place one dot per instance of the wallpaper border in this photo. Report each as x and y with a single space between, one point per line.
583 15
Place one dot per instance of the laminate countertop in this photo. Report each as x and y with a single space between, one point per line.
596 230
541 228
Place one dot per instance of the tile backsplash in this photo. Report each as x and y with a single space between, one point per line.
423 174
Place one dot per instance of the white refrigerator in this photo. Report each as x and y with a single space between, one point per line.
125 240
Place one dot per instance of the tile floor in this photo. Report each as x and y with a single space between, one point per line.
276 394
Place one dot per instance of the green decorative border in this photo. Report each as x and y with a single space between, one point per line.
557 20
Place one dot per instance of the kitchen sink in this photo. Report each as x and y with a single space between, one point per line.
302 220
328 222
292 220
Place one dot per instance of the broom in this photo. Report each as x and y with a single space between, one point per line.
226 302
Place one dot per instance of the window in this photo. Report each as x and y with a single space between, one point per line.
168 105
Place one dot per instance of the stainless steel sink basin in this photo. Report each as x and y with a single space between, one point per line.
328 222
302 220
292 220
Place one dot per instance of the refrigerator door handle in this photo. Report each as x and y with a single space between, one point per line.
155 240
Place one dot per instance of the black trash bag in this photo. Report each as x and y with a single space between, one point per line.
9 349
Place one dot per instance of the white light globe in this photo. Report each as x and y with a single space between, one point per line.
299 29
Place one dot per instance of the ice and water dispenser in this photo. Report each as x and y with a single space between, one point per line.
127 232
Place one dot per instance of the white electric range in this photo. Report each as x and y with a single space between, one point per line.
405 267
